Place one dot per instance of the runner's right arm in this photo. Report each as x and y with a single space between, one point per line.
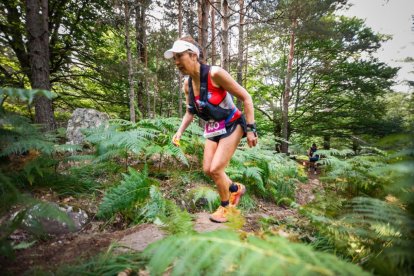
187 119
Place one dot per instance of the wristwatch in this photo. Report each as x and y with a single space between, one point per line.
251 128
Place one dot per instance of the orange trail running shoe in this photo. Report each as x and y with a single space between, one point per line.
220 215
235 197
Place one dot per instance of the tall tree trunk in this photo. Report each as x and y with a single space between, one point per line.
286 93
189 15
141 41
180 76
225 35
204 8
213 34
326 142
38 44
240 49
246 55
130 64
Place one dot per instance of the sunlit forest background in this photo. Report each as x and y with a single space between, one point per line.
313 77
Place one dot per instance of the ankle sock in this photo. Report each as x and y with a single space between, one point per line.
233 188
224 203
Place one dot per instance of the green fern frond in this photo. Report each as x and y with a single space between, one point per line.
176 152
177 221
21 146
18 135
26 95
155 206
121 122
335 152
111 262
162 124
133 189
207 193
62 148
375 213
373 150
224 252
108 154
255 174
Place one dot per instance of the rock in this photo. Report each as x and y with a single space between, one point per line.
39 219
83 118
204 224
143 235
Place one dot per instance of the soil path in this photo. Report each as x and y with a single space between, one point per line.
70 248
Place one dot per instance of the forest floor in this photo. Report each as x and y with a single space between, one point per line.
50 254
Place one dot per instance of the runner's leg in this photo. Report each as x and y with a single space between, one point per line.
225 150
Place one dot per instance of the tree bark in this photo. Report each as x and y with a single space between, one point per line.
38 44
240 49
213 34
130 65
286 93
326 142
203 12
225 35
141 41
180 76
189 15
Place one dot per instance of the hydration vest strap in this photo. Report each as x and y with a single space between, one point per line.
204 70
231 115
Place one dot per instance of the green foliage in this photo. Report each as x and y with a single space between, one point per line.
375 231
224 252
19 136
177 221
110 262
147 137
363 173
265 173
25 95
155 206
31 215
43 211
133 191
20 139
207 194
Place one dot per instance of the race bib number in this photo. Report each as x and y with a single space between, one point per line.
213 129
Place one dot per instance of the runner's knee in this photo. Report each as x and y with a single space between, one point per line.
206 170
215 172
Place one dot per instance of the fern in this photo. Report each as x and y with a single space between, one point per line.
224 252
148 137
26 95
132 190
18 136
108 263
210 195
177 221
155 206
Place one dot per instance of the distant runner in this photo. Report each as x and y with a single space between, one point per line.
208 93
313 157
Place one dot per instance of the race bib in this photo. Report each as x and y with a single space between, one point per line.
213 129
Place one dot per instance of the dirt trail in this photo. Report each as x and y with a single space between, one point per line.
69 248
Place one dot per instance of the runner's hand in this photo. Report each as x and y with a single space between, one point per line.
251 139
176 139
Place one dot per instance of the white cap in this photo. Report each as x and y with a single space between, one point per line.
181 46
